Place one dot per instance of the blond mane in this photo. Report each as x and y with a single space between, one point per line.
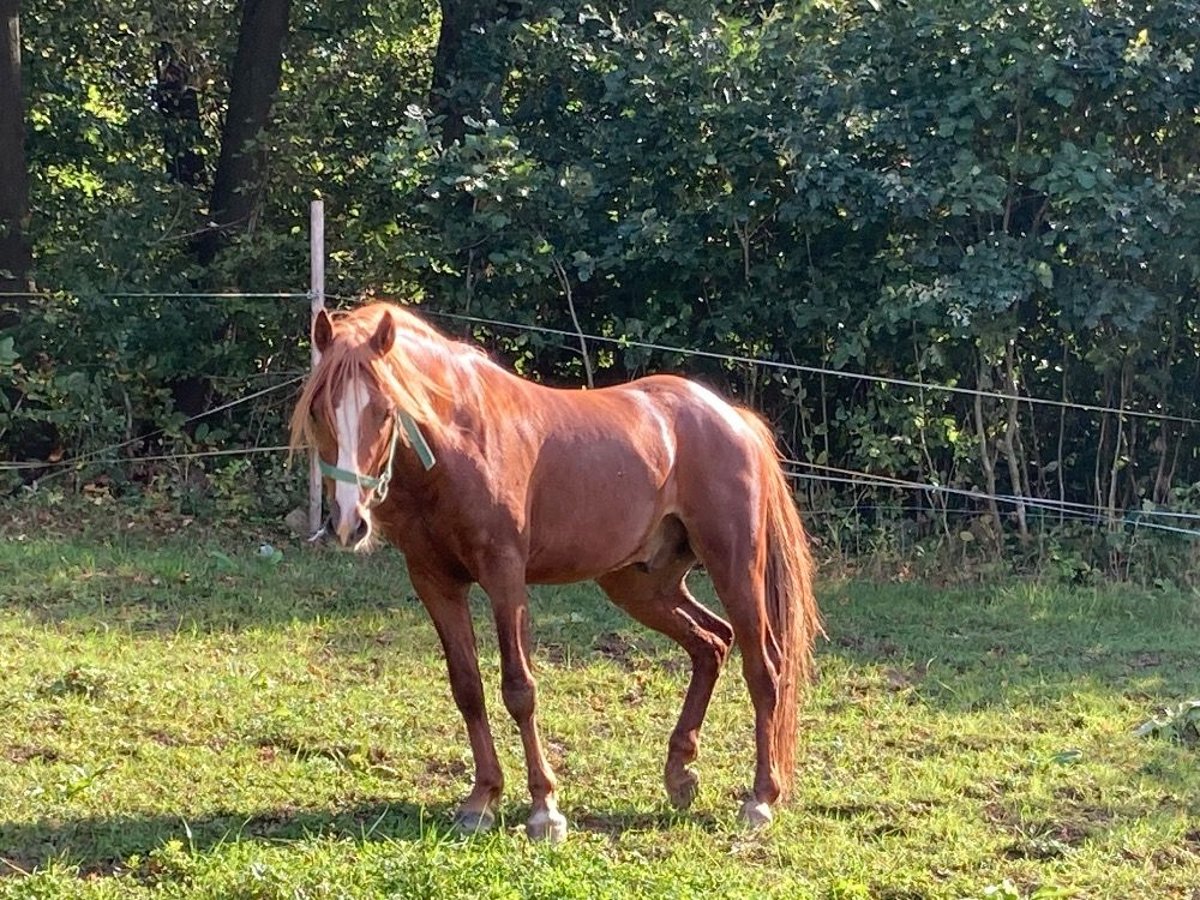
419 376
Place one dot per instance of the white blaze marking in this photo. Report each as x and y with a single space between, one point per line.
348 423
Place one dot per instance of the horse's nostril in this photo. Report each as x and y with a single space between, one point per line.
361 532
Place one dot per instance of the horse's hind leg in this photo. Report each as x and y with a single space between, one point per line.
736 563
742 593
446 603
660 600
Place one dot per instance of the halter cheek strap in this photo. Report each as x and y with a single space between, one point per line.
416 440
378 484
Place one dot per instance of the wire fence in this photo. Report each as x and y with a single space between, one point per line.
105 454
624 341
819 370
1047 507
798 470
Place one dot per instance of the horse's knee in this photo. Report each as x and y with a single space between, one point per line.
520 697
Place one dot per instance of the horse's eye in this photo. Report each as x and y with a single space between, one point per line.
318 428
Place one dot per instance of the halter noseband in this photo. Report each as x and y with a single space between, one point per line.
378 484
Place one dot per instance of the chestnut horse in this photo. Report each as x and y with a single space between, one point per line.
479 476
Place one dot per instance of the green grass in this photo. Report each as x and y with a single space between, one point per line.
182 717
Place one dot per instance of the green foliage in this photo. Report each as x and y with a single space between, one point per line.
859 188
969 194
94 371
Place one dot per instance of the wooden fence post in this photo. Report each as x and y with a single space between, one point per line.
316 296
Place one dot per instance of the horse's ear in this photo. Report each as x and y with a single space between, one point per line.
322 331
385 335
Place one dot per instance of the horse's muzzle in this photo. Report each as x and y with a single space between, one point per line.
353 530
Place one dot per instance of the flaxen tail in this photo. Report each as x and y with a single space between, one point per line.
791 603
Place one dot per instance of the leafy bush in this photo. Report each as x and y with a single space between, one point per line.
962 194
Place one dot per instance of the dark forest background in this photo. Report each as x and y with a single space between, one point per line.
994 197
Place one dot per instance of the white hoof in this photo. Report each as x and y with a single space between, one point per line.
756 814
547 825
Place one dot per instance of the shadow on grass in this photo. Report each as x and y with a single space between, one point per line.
147 588
614 823
986 645
1000 647
991 645
103 844
97 583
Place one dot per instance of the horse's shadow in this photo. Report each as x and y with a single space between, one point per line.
101 845
615 822
104 845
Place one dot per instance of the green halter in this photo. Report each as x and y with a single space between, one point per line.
378 484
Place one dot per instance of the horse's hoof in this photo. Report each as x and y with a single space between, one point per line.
547 825
469 822
756 814
683 789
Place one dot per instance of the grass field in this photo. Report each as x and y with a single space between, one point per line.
185 717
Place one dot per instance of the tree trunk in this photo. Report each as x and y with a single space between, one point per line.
464 83
238 182
15 258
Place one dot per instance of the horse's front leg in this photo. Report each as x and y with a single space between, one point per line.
447 604
511 610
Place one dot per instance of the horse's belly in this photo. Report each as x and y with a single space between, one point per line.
586 534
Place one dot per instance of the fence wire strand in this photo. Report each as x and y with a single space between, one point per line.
819 370
1044 506
98 456
795 469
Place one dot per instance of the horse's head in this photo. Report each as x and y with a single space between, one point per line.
375 389
352 422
